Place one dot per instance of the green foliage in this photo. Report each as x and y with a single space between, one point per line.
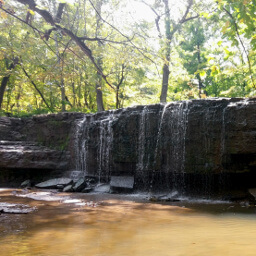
216 48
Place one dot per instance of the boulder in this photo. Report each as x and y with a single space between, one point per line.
122 182
80 185
68 188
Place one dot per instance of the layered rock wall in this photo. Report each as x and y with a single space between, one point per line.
35 147
179 144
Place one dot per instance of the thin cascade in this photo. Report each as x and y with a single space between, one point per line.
177 123
183 122
141 143
184 113
159 133
105 145
223 132
81 142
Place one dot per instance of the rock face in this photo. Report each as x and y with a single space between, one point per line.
35 148
199 145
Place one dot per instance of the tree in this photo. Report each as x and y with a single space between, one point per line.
193 52
240 25
171 26
10 65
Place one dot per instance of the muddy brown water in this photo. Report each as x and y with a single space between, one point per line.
104 225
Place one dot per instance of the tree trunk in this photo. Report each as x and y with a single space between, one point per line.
63 94
200 83
165 81
167 53
2 88
117 98
99 83
99 98
59 12
5 81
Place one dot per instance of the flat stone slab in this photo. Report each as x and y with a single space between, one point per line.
53 183
102 188
122 181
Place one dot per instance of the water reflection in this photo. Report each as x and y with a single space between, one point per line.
110 225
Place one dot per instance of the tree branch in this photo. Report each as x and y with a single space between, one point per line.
48 18
157 19
35 86
123 35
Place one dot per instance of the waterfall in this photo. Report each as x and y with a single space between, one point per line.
174 149
81 145
141 141
159 133
164 146
93 143
105 145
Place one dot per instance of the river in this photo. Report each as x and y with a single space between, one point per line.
119 225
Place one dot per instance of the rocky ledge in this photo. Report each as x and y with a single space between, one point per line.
29 155
197 145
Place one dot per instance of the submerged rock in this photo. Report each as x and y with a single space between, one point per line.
15 208
53 183
163 198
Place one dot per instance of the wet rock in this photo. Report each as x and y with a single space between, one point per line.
102 188
79 185
68 188
42 196
157 144
91 181
26 184
122 182
87 190
239 196
60 187
15 208
163 198
53 183
252 191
